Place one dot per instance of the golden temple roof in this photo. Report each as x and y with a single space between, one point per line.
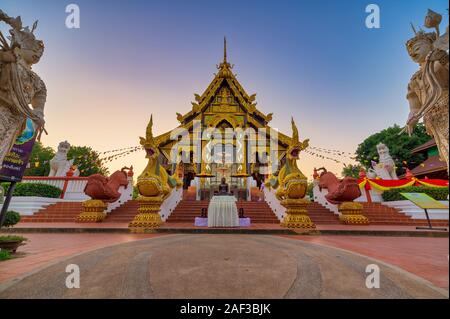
224 77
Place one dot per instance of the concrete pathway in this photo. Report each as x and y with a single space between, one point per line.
219 266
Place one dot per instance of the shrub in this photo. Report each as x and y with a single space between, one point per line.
4 255
310 192
11 218
135 192
34 189
12 238
440 193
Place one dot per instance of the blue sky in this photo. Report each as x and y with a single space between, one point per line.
314 60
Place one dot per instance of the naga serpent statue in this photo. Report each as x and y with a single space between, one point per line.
154 185
291 185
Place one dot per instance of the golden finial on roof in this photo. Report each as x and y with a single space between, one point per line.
224 49
225 67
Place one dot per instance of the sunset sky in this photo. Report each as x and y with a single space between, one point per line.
314 60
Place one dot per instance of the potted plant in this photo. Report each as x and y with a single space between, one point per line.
11 243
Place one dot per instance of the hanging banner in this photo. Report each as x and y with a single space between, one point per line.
15 162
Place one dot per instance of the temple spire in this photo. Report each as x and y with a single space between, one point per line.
225 67
224 49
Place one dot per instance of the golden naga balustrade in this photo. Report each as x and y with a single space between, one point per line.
291 185
154 186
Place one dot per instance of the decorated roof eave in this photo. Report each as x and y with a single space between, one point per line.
164 140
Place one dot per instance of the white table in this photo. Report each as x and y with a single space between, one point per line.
222 212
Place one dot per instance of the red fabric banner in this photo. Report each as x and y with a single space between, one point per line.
384 185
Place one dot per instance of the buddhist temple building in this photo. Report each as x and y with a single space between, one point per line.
205 158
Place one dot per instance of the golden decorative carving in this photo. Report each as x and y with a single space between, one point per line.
148 214
93 211
296 214
351 214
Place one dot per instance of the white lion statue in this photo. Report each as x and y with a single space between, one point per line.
385 168
60 165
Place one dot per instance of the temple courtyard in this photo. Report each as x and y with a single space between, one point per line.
179 184
160 265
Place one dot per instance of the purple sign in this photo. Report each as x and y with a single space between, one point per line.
16 160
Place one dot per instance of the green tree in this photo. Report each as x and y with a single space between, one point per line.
87 161
40 160
400 146
351 170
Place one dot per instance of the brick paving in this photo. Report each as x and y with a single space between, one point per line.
44 248
425 257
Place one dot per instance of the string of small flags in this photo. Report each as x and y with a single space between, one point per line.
323 156
120 150
333 152
88 158
120 155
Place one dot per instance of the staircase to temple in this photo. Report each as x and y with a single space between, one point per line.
124 213
56 213
190 193
378 215
259 212
321 215
383 215
187 210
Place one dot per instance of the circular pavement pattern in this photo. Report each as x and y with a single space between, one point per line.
219 266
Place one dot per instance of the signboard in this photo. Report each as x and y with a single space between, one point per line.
424 201
16 160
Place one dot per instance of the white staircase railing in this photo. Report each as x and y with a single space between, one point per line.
319 197
170 203
126 194
274 203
